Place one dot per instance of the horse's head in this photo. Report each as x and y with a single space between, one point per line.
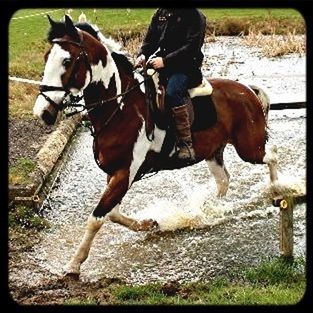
67 70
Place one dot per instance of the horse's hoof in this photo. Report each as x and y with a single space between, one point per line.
146 225
71 276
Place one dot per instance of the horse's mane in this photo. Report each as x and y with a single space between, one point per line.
119 56
124 62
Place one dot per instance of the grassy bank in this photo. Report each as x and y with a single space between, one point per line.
27 31
273 282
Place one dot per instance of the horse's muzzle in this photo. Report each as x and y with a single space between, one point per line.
48 117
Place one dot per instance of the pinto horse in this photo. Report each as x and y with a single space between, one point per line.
83 62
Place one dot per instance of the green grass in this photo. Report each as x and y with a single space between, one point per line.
19 173
26 217
27 36
277 271
273 282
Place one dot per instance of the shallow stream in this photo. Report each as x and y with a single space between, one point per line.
200 235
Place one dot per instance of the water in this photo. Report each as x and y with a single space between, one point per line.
200 236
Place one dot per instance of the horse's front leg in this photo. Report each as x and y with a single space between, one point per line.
115 191
117 187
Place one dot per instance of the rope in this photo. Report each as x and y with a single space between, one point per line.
32 15
24 80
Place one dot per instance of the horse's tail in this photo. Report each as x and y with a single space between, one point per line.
264 99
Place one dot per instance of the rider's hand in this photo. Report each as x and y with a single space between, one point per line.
157 63
139 61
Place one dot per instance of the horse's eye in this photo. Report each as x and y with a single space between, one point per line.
66 62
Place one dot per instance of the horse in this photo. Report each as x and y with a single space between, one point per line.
127 141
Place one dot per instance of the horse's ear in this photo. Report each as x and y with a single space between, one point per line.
51 21
71 29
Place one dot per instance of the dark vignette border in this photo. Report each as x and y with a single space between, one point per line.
7 9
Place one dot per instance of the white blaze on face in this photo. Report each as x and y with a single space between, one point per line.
52 77
105 74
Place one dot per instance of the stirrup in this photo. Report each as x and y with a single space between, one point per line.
191 158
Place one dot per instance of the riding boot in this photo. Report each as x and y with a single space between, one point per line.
181 119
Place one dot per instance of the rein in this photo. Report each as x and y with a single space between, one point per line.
73 101
98 104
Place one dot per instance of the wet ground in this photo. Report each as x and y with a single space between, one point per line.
200 236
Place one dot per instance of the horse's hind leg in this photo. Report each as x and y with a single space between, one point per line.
254 150
270 159
218 170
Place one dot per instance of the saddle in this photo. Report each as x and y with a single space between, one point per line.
202 113
204 89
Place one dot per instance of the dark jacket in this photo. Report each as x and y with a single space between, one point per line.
179 33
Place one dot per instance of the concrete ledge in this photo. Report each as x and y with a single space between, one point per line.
46 159
55 144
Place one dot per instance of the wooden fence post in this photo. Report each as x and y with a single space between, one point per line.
286 206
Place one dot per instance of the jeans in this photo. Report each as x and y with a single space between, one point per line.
176 90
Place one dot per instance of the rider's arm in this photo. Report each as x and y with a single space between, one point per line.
194 41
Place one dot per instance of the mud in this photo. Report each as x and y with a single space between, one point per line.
30 131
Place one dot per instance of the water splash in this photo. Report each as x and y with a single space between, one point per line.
184 210
288 185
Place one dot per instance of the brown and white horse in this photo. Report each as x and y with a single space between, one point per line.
77 62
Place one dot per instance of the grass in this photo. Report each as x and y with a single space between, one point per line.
277 271
273 282
26 217
27 42
20 172
22 98
273 46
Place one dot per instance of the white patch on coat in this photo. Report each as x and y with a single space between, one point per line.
94 223
140 80
270 155
106 73
115 212
141 148
220 176
270 159
54 70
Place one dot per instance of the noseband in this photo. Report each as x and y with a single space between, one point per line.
44 88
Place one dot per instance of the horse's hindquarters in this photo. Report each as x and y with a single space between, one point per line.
240 121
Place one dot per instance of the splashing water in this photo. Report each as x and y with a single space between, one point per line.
172 215
288 185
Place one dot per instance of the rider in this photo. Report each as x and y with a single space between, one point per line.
177 35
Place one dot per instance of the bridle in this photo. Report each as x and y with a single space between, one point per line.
73 99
